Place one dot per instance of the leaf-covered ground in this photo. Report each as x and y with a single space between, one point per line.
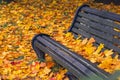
21 20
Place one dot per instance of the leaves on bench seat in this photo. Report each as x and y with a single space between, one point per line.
88 50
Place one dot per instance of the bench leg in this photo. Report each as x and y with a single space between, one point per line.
40 54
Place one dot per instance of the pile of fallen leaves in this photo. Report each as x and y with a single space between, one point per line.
21 20
95 54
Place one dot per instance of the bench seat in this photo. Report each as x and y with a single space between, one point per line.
103 26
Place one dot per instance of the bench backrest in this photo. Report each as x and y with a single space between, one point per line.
102 25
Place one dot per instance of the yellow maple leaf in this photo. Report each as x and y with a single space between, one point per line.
108 52
84 41
100 47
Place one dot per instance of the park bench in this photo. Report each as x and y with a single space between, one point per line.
88 22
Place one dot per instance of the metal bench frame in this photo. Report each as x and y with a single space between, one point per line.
88 22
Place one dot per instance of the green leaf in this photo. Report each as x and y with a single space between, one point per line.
5 25
0 1
40 60
56 68
19 58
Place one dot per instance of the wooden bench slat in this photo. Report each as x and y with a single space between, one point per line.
93 32
101 34
99 20
82 32
98 26
104 14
